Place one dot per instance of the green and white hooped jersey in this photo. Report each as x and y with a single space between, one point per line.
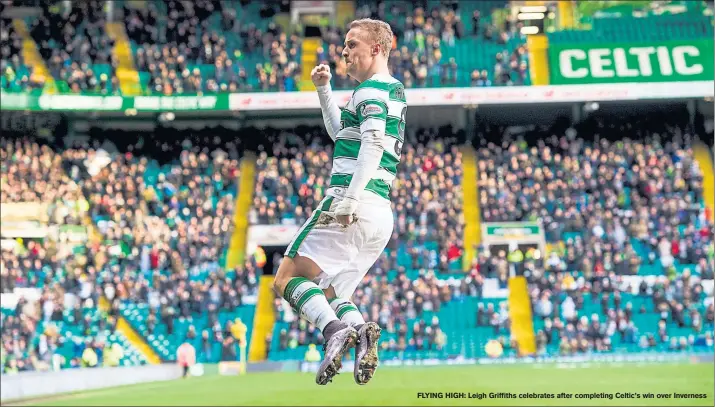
376 104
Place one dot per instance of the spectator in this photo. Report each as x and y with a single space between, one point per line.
81 43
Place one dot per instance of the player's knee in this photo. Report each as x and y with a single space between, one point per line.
294 267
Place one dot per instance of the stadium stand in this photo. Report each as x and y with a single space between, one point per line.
642 20
631 231
615 258
75 47
621 201
175 235
213 47
64 321
152 275
432 311
239 46
235 46
15 75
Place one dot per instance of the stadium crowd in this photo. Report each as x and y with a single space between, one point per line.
214 47
158 244
391 303
626 202
13 72
172 53
614 207
73 42
612 184
294 175
422 30
161 208
678 309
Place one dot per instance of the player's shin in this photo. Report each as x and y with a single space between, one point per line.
309 301
347 312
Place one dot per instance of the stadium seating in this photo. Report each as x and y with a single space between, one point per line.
15 74
609 216
67 335
241 46
166 343
286 193
75 47
668 27
238 46
689 13
415 268
173 184
195 194
462 336
623 208
76 334
502 199
43 330
645 324
238 61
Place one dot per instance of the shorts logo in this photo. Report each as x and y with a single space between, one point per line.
371 110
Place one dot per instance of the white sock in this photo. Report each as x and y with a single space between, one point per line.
347 311
309 301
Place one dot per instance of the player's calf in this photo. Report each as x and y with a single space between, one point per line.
293 283
309 301
290 268
347 312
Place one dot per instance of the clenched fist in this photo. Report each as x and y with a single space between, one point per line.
321 75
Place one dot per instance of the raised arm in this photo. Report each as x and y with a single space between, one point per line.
331 112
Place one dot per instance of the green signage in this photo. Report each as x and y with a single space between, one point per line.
512 230
24 101
667 61
73 233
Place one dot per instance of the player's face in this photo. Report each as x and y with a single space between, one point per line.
357 53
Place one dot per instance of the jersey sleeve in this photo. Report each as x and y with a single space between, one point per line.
371 102
330 110
371 109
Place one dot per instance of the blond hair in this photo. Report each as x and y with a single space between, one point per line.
377 31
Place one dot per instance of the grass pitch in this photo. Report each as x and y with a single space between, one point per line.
400 386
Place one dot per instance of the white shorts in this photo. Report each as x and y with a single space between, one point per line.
344 255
